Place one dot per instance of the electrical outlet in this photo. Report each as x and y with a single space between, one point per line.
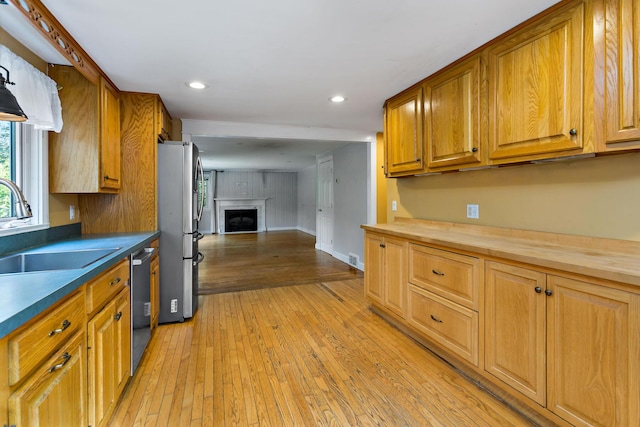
394 206
147 309
473 211
72 212
174 305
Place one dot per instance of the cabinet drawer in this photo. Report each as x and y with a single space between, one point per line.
450 275
447 323
30 347
104 287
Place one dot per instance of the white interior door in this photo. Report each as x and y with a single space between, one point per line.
325 204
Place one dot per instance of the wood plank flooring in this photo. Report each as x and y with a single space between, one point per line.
298 355
235 262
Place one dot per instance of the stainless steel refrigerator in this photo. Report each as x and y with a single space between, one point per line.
180 176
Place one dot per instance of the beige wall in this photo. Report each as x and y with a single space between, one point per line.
58 203
593 197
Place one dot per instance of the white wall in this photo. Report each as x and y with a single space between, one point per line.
206 225
307 200
350 165
280 189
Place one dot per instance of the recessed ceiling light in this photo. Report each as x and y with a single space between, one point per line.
337 98
196 85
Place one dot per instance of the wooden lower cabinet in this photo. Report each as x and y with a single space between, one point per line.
109 352
569 345
55 395
155 290
386 272
515 328
449 324
593 354
564 347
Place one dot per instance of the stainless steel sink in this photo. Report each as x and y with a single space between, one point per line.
67 260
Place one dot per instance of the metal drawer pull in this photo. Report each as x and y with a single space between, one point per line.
65 325
108 178
118 316
436 272
115 281
436 319
65 358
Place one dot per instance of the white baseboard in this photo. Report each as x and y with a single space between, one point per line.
305 230
281 228
345 259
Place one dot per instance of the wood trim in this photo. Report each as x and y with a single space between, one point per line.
45 22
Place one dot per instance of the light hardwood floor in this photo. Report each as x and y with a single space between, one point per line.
298 355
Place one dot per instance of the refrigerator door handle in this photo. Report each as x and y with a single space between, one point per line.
199 236
200 189
199 258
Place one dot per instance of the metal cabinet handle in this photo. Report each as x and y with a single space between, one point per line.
382 245
65 325
65 358
548 292
438 273
474 150
118 316
436 319
108 178
115 281
538 289
573 132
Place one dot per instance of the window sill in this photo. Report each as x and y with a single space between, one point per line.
22 229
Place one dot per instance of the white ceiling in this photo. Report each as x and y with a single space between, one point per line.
277 62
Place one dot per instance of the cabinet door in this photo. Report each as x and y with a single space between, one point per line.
155 291
404 134
374 267
109 136
452 111
395 275
593 353
102 332
536 89
55 395
622 74
515 328
122 344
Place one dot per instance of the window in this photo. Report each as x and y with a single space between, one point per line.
7 166
23 160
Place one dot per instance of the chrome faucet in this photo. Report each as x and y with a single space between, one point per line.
23 210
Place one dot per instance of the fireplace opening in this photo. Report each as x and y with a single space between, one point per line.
236 220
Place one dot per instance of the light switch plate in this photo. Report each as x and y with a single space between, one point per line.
394 206
473 211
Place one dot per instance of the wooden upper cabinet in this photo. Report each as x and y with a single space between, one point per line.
85 156
453 101
620 57
109 136
536 89
164 123
404 133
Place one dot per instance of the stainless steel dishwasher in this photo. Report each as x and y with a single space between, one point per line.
140 304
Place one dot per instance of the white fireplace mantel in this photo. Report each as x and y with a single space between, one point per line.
224 203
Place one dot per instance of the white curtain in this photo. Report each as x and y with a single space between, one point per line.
36 93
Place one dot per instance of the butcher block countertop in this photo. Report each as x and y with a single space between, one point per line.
609 259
